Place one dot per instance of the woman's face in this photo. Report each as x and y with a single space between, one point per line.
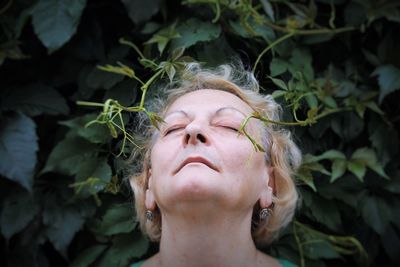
199 156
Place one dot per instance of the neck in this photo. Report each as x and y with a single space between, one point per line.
219 240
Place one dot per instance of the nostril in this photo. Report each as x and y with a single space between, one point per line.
187 138
201 138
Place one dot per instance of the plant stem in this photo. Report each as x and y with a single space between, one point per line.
89 104
309 32
270 46
147 84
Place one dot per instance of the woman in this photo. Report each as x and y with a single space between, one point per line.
204 192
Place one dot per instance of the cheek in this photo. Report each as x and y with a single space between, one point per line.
161 158
241 157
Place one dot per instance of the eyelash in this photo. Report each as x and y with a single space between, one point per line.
230 128
170 130
173 129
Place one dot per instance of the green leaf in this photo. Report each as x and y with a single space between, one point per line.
215 52
331 154
325 211
268 9
193 31
278 93
124 248
357 168
163 37
301 62
367 157
339 167
34 99
320 249
94 133
68 154
101 77
388 79
62 223
124 92
254 29
18 210
18 146
279 83
305 176
384 139
99 173
117 219
391 243
347 125
312 102
88 256
376 213
140 11
56 21
277 66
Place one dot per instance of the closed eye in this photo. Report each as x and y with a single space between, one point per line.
173 129
230 128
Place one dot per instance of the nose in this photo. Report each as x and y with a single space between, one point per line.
195 134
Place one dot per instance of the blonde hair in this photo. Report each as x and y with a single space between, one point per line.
281 152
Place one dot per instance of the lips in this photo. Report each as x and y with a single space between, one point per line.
197 160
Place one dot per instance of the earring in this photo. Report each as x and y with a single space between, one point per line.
149 215
265 213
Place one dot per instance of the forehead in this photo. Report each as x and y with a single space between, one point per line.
209 99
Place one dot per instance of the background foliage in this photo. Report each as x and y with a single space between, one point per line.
333 64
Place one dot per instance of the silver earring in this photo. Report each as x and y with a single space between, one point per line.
264 214
149 215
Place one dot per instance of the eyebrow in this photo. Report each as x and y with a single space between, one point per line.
218 112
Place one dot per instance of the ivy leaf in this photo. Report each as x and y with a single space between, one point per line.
17 211
124 92
320 249
18 146
347 125
140 11
56 21
34 99
301 62
138 246
68 154
62 223
124 248
339 167
358 169
88 256
331 154
325 212
388 79
384 139
193 31
95 133
306 176
278 82
366 156
391 243
252 30
268 9
277 66
163 37
376 213
102 77
96 172
117 219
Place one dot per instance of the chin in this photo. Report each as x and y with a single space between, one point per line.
195 188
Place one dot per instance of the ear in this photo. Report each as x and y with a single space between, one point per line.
271 181
150 202
267 192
